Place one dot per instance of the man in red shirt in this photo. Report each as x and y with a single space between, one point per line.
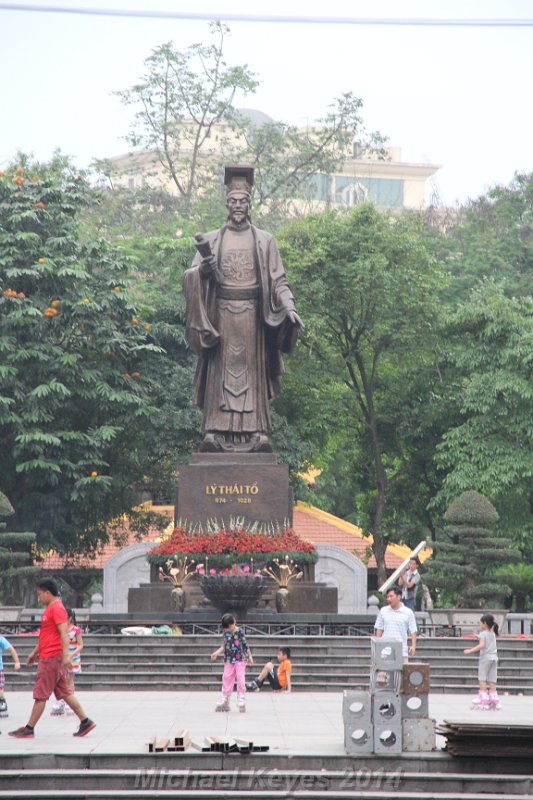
54 658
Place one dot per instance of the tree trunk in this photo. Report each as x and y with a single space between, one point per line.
379 545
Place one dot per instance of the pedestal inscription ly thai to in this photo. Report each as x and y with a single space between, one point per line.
224 485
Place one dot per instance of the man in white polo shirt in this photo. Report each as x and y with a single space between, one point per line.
396 621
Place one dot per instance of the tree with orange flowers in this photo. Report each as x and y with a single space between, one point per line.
70 423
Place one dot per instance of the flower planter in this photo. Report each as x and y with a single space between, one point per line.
231 593
467 618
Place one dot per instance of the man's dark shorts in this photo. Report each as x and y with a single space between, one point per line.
272 678
51 677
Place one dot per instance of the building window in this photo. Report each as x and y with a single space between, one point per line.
350 191
316 187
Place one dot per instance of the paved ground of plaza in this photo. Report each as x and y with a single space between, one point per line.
291 724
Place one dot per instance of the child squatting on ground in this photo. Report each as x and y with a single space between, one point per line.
5 645
75 646
236 655
278 676
488 664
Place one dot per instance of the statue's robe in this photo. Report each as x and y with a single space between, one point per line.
237 325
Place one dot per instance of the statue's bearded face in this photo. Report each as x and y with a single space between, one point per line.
238 205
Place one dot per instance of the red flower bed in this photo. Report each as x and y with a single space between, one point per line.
233 546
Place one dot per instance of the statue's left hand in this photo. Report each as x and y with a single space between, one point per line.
295 319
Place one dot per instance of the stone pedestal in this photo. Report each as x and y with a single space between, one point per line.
304 598
220 486
223 485
150 598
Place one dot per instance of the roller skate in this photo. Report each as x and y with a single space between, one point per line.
480 702
494 701
222 705
241 704
58 709
3 707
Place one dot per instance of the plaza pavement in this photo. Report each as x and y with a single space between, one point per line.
300 723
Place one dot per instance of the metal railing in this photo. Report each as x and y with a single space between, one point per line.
213 628
516 624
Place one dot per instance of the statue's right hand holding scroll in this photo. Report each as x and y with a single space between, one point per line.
208 264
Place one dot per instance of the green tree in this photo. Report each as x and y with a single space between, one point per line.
493 239
489 446
368 290
183 97
467 553
73 400
185 115
519 577
173 430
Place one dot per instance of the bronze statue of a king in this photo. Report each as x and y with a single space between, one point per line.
241 317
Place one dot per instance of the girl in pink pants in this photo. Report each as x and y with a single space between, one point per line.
236 655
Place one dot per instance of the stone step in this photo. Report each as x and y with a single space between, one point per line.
340 643
435 762
356 646
198 652
158 649
92 662
237 782
328 663
316 683
202 794
324 665
157 683
324 672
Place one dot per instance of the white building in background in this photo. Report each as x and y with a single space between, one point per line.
386 181
389 183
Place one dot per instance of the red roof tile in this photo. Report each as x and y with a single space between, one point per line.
57 561
320 527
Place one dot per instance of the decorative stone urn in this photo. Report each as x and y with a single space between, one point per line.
233 592
177 598
282 599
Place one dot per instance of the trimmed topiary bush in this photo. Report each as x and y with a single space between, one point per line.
16 559
466 553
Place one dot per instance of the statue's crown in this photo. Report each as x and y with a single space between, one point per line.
239 179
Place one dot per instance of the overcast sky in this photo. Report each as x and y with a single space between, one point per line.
449 95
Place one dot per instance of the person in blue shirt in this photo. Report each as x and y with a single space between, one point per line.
5 645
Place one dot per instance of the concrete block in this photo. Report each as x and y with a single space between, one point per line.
382 680
358 739
386 653
388 739
387 708
415 706
415 678
418 735
357 708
